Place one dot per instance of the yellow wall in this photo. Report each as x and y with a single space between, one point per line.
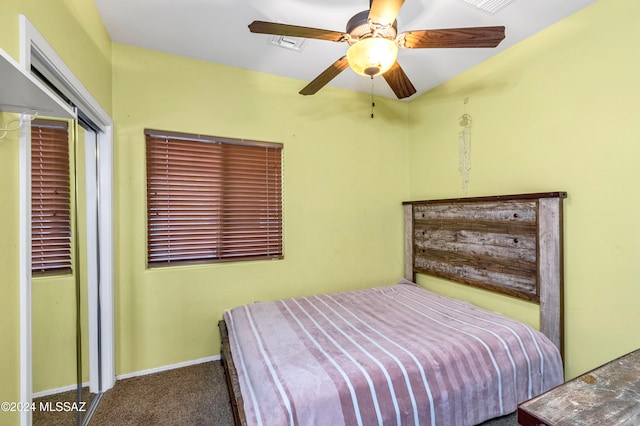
9 272
344 179
556 112
73 28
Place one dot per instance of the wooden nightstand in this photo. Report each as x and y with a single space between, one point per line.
608 395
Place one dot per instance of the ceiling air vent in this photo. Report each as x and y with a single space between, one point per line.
287 42
489 6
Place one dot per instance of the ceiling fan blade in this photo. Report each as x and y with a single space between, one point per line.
453 37
399 82
327 75
262 27
384 12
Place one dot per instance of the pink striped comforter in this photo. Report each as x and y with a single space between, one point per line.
395 355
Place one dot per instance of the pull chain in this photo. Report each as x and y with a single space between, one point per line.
373 104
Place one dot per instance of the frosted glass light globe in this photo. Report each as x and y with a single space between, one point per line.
372 56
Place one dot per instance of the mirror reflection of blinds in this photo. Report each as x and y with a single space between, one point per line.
50 198
212 199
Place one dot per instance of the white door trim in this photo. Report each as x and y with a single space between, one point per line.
34 48
26 382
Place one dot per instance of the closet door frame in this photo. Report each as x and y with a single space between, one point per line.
34 48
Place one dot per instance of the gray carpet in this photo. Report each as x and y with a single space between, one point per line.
195 395
55 416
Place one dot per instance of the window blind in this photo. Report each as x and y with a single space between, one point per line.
212 199
50 198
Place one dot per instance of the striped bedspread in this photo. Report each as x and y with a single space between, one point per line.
394 355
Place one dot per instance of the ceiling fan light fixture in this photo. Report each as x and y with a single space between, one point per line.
372 56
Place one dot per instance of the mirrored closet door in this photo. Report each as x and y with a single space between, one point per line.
66 312
66 305
89 317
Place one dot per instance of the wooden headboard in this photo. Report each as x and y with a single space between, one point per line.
510 244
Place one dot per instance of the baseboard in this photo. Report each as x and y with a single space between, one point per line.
168 367
128 375
58 390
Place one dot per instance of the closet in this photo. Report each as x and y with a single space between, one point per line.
66 319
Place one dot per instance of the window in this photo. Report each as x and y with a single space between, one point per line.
212 199
50 198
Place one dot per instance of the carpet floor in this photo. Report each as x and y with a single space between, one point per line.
195 395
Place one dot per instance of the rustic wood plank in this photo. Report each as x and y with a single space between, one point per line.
516 247
483 226
499 282
409 273
551 274
608 395
231 375
503 211
503 271
532 196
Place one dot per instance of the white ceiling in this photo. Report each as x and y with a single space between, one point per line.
216 31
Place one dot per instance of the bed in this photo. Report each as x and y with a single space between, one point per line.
400 354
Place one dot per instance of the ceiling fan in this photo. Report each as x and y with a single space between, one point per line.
374 41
